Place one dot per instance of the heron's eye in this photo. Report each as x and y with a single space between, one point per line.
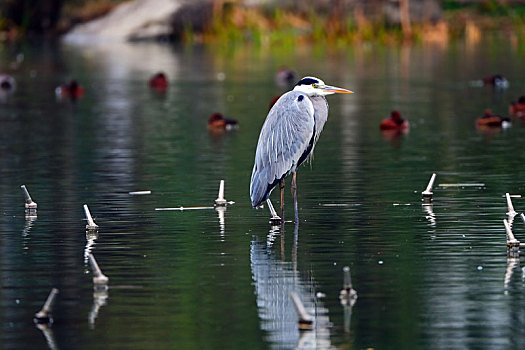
315 86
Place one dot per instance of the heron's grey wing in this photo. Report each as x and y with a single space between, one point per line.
284 137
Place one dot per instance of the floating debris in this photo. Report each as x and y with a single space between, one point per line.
139 193
334 204
320 295
513 195
348 295
305 319
522 216
30 205
44 315
183 208
99 279
510 207
463 185
220 201
427 193
91 226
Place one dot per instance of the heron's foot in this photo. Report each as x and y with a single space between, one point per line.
275 220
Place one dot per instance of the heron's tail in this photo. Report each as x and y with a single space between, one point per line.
260 189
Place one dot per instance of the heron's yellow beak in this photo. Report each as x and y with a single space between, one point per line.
335 90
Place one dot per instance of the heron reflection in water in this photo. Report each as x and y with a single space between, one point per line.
274 280
288 137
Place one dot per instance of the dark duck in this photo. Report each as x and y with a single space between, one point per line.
159 82
491 120
72 90
517 108
497 80
394 122
218 122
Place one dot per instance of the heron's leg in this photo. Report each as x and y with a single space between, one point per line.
275 219
281 186
294 196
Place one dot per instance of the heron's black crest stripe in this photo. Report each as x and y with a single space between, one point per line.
307 81
300 98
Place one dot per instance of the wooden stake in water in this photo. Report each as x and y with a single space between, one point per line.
91 226
44 315
99 279
220 201
513 245
510 207
305 319
347 295
275 219
30 205
427 193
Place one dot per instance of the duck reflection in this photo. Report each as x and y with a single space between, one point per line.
274 280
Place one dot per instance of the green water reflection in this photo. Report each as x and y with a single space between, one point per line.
427 277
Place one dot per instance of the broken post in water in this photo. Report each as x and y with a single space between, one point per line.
305 319
91 226
30 205
510 207
427 193
99 279
513 245
44 315
347 295
220 201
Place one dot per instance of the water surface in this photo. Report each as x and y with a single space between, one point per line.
427 276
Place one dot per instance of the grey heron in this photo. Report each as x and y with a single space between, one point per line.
288 137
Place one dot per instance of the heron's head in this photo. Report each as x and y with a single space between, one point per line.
316 87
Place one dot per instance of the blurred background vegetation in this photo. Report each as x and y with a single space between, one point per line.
272 21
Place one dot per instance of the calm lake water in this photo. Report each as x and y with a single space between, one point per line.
426 276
